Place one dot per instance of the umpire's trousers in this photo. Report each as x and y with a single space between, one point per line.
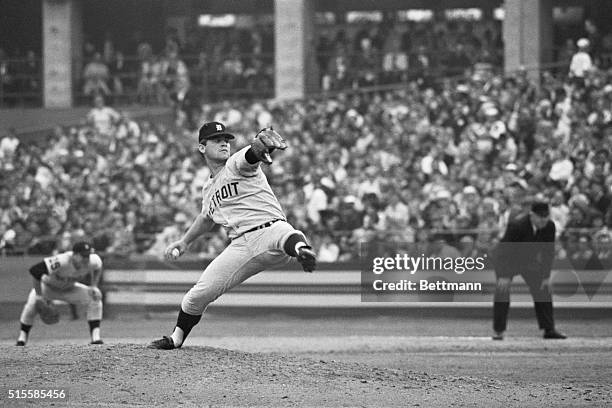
542 300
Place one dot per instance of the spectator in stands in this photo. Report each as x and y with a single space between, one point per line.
119 72
366 63
232 69
8 147
22 238
458 60
96 76
433 146
101 117
175 77
7 238
149 80
395 59
8 82
31 77
170 234
328 251
201 74
581 63
122 241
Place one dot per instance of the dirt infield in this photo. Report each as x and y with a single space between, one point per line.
289 362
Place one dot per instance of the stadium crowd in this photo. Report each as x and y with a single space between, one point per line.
443 167
240 59
348 56
354 56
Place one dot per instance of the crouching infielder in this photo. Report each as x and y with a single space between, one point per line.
56 278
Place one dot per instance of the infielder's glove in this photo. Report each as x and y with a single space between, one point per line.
265 142
48 313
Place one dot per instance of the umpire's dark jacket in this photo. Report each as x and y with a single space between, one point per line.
529 253
523 250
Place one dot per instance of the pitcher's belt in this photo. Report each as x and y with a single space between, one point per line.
264 225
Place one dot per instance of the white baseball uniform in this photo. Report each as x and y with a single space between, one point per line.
240 199
61 283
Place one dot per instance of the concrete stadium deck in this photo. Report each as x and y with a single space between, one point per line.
35 120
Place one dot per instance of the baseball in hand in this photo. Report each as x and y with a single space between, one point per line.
175 253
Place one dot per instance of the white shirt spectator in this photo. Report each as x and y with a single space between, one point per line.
429 164
364 142
581 63
328 252
264 119
369 186
397 215
497 129
8 236
230 117
44 176
316 203
8 146
561 170
559 214
103 118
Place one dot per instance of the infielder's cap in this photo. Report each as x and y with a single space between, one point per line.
211 130
81 248
540 208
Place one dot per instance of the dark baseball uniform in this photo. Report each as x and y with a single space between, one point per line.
528 252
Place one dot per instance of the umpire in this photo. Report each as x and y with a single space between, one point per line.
527 249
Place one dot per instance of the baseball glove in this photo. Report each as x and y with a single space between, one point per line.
265 142
48 313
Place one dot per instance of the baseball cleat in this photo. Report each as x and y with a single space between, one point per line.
165 343
97 342
498 336
554 335
20 343
307 258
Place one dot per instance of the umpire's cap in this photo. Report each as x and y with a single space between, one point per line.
81 248
540 208
211 130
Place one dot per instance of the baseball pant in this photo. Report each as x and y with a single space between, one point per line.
542 301
78 294
244 257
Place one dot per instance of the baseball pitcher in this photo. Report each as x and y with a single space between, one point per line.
56 278
237 196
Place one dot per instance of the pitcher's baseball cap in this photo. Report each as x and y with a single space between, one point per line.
211 130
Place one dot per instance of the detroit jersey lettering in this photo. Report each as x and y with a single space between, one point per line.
239 196
63 274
